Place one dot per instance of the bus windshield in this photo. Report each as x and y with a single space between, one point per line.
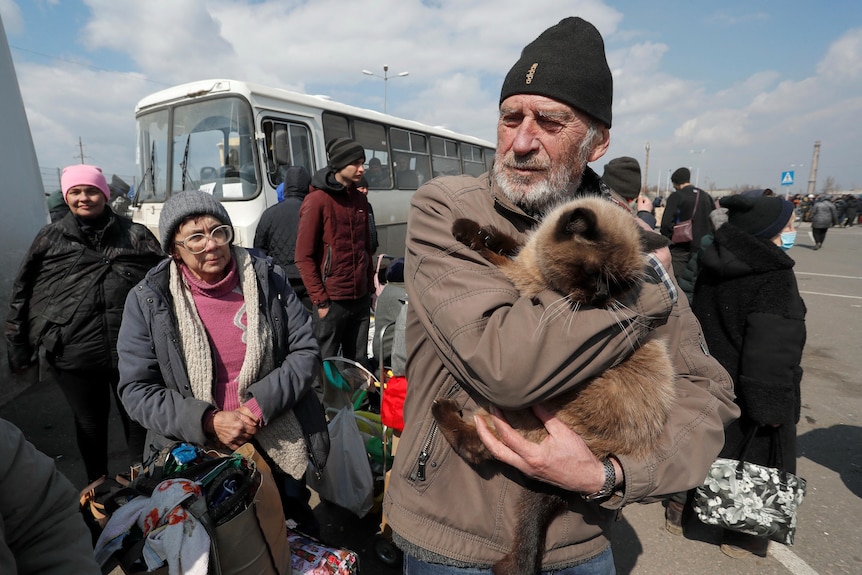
207 145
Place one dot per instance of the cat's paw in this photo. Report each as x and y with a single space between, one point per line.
467 231
446 412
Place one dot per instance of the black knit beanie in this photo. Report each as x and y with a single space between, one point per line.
343 152
762 217
567 63
623 175
181 206
681 176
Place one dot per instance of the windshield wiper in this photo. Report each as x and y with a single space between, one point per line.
184 164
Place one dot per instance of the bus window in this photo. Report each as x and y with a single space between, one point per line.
444 157
334 126
473 160
287 144
410 158
153 154
372 136
213 149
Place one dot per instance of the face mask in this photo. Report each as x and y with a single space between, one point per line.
787 240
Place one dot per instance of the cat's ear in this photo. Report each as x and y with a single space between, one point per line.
651 241
580 221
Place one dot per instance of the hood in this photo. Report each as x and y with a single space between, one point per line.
735 253
324 179
296 181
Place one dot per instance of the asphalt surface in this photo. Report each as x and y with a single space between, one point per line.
829 446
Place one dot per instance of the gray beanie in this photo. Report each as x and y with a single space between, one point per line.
623 175
566 62
181 206
343 152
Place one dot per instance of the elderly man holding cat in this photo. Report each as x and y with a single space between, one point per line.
472 338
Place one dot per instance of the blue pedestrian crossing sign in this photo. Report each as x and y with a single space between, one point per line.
786 178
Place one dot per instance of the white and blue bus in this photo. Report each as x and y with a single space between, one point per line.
235 140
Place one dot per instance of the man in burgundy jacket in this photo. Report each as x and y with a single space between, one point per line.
333 253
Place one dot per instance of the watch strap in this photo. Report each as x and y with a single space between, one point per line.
610 481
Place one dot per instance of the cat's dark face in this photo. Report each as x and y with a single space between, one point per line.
591 250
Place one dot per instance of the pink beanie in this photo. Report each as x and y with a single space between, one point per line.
84 175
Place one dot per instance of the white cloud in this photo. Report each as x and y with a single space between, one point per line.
10 13
457 53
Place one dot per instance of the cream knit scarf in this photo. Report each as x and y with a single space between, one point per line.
281 439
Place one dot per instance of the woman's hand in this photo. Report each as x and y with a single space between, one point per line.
234 428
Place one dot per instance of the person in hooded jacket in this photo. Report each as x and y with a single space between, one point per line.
278 226
753 317
68 298
334 255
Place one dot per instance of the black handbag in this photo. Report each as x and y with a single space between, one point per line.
751 498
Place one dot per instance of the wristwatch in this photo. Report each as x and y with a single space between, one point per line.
610 481
323 305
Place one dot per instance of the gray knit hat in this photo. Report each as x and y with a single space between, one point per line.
566 62
343 152
181 206
623 175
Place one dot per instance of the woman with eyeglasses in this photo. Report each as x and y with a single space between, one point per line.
68 300
216 350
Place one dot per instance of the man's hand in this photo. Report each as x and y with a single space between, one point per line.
561 459
644 204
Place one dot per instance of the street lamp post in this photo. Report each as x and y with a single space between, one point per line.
697 177
385 78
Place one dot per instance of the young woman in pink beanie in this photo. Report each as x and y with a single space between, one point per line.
68 298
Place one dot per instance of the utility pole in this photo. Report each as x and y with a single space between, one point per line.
812 178
646 171
81 149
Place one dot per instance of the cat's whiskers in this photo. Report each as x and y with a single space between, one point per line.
551 312
575 307
625 326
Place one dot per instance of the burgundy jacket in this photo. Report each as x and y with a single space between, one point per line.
333 243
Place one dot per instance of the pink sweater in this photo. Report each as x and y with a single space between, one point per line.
221 309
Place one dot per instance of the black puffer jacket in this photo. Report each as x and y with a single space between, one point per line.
71 288
276 231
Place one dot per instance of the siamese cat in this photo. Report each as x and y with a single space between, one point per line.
593 253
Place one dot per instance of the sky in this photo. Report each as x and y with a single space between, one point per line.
738 91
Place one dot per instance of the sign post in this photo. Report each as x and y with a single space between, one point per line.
787 180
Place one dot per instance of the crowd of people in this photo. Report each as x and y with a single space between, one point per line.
204 341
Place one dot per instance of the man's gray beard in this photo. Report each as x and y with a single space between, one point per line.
539 197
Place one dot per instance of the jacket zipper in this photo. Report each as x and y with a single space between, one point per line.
425 453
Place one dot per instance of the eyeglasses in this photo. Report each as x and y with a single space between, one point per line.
197 243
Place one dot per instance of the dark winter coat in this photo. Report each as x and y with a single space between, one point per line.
154 382
679 207
333 246
70 291
753 317
279 224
